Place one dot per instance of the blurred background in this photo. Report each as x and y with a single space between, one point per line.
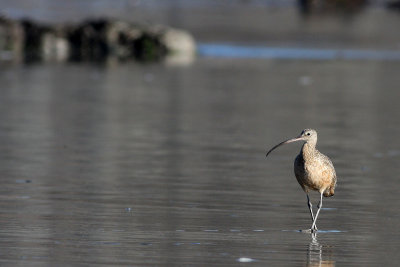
147 147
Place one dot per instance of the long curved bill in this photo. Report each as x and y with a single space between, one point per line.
299 138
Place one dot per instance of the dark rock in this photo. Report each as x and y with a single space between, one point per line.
91 40
88 41
394 5
12 39
307 7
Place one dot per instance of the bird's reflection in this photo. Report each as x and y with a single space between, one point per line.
315 255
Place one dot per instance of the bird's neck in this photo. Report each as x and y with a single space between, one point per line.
308 150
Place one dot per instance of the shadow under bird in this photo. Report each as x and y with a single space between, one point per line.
313 170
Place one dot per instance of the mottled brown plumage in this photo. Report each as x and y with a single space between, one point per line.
313 170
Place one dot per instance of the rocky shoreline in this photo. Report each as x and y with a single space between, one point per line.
91 40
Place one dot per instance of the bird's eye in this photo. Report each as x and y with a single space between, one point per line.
308 133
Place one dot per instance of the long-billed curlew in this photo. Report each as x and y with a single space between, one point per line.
313 170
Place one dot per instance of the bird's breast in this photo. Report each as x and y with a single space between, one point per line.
313 174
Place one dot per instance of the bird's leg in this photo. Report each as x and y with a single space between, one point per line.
310 208
314 227
311 212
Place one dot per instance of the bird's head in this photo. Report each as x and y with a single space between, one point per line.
307 135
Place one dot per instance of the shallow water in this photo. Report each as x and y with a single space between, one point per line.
164 165
160 165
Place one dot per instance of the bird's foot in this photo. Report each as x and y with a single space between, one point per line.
310 231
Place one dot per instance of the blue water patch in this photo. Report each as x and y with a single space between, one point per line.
331 231
236 51
328 208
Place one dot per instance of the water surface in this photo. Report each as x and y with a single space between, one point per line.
160 165
164 165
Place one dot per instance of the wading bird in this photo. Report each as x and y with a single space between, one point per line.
313 170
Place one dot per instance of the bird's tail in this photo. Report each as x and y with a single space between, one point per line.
329 192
